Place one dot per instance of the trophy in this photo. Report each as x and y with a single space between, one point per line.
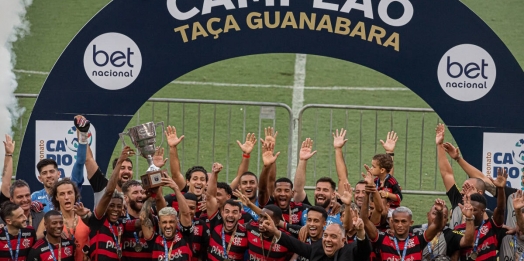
144 138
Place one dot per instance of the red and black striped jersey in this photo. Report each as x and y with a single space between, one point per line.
297 210
41 251
27 240
180 251
490 237
386 249
239 241
270 251
391 185
103 246
200 239
130 250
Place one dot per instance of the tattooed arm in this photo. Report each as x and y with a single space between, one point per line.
147 225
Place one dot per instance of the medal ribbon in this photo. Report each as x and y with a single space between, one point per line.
270 247
434 244
478 236
118 249
15 258
53 252
226 251
405 248
134 233
168 254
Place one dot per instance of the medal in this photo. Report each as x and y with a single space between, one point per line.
138 247
119 253
473 255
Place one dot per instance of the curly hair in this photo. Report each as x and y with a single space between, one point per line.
194 169
54 191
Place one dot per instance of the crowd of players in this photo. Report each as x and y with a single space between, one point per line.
256 217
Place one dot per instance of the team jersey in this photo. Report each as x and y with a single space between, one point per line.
293 213
333 218
444 244
104 238
390 185
172 201
489 240
80 237
27 240
178 248
219 241
200 239
42 251
43 198
512 248
250 211
134 247
261 248
386 249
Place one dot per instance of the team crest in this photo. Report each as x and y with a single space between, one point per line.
67 251
26 243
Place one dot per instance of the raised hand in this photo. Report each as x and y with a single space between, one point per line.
439 136
172 139
339 138
241 197
468 189
81 123
158 158
303 233
502 176
269 225
9 145
267 156
271 135
80 210
126 153
358 224
518 200
248 146
390 143
439 204
368 177
217 167
467 209
453 152
305 151
347 197
169 182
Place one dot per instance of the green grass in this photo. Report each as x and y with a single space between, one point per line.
55 22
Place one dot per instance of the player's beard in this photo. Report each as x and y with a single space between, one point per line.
134 206
326 204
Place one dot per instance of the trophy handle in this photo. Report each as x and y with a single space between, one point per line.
162 133
122 137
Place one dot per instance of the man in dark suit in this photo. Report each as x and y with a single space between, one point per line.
331 247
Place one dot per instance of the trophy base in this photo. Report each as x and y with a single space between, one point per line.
152 179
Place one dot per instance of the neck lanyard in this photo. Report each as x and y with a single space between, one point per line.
478 236
226 250
378 181
118 249
405 248
134 233
75 222
168 254
515 249
270 247
53 252
431 243
15 258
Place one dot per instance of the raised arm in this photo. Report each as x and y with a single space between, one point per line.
246 148
269 160
246 202
183 209
436 226
100 209
518 204
389 146
300 175
271 138
211 201
469 236
174 162
369 227
7 173
500 183
346 199
446 172
82 131
148 229
339 139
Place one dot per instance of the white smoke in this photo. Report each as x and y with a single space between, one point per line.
13 26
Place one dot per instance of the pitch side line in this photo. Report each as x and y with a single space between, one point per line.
220 84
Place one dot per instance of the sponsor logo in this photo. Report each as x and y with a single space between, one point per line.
504 150
466 72
112 61
57 140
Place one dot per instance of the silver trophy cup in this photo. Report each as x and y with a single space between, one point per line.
144 138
